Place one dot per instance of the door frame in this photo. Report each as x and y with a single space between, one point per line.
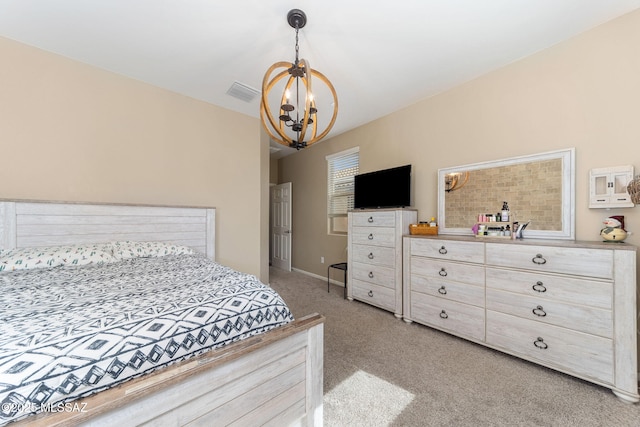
280 234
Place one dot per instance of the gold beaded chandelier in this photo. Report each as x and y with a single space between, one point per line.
297 112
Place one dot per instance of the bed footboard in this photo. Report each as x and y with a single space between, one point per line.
275 378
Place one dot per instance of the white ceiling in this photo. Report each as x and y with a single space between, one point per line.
381 56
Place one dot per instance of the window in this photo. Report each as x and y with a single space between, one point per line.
341 168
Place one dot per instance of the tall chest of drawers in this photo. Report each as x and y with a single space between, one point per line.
570 306
374 273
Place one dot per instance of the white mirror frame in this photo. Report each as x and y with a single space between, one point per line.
567 156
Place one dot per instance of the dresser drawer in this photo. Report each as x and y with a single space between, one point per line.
577 317
460 319
582 354
378 255
373 219
383 276
578 261
378 236
370 293
446 271
592 293
448 249
461 292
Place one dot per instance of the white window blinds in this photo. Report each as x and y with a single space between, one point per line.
342 167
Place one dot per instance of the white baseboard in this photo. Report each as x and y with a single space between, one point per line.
317 276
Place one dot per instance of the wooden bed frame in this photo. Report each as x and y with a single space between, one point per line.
275 378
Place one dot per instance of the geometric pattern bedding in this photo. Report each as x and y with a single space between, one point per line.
71 331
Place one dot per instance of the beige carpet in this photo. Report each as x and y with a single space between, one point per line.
381 371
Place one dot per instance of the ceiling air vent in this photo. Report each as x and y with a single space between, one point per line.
243 92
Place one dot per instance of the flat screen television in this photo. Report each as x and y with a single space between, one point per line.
388 188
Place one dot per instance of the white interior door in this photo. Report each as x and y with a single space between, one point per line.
281 226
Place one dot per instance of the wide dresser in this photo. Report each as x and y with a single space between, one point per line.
374 270
567 305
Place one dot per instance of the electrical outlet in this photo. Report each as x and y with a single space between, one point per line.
321 260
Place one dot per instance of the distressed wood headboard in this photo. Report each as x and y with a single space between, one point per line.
43 223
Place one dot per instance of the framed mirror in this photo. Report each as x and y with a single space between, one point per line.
539 189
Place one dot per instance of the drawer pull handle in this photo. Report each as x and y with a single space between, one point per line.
443 250
444 315
370 293
371 275
442 272
371 236
442 290
370 219
539 287
370 255
539 342
539 259
539 311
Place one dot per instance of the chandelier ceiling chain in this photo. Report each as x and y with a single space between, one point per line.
287 130
297 47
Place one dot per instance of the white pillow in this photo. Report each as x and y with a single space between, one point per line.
130 249
55 256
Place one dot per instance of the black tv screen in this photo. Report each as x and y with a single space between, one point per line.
388 188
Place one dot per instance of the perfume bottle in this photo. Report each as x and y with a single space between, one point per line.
505 212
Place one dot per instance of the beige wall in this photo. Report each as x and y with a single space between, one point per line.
73 132
582 93
273 171
263 213
307 172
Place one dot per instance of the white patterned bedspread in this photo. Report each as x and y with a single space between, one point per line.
67 332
